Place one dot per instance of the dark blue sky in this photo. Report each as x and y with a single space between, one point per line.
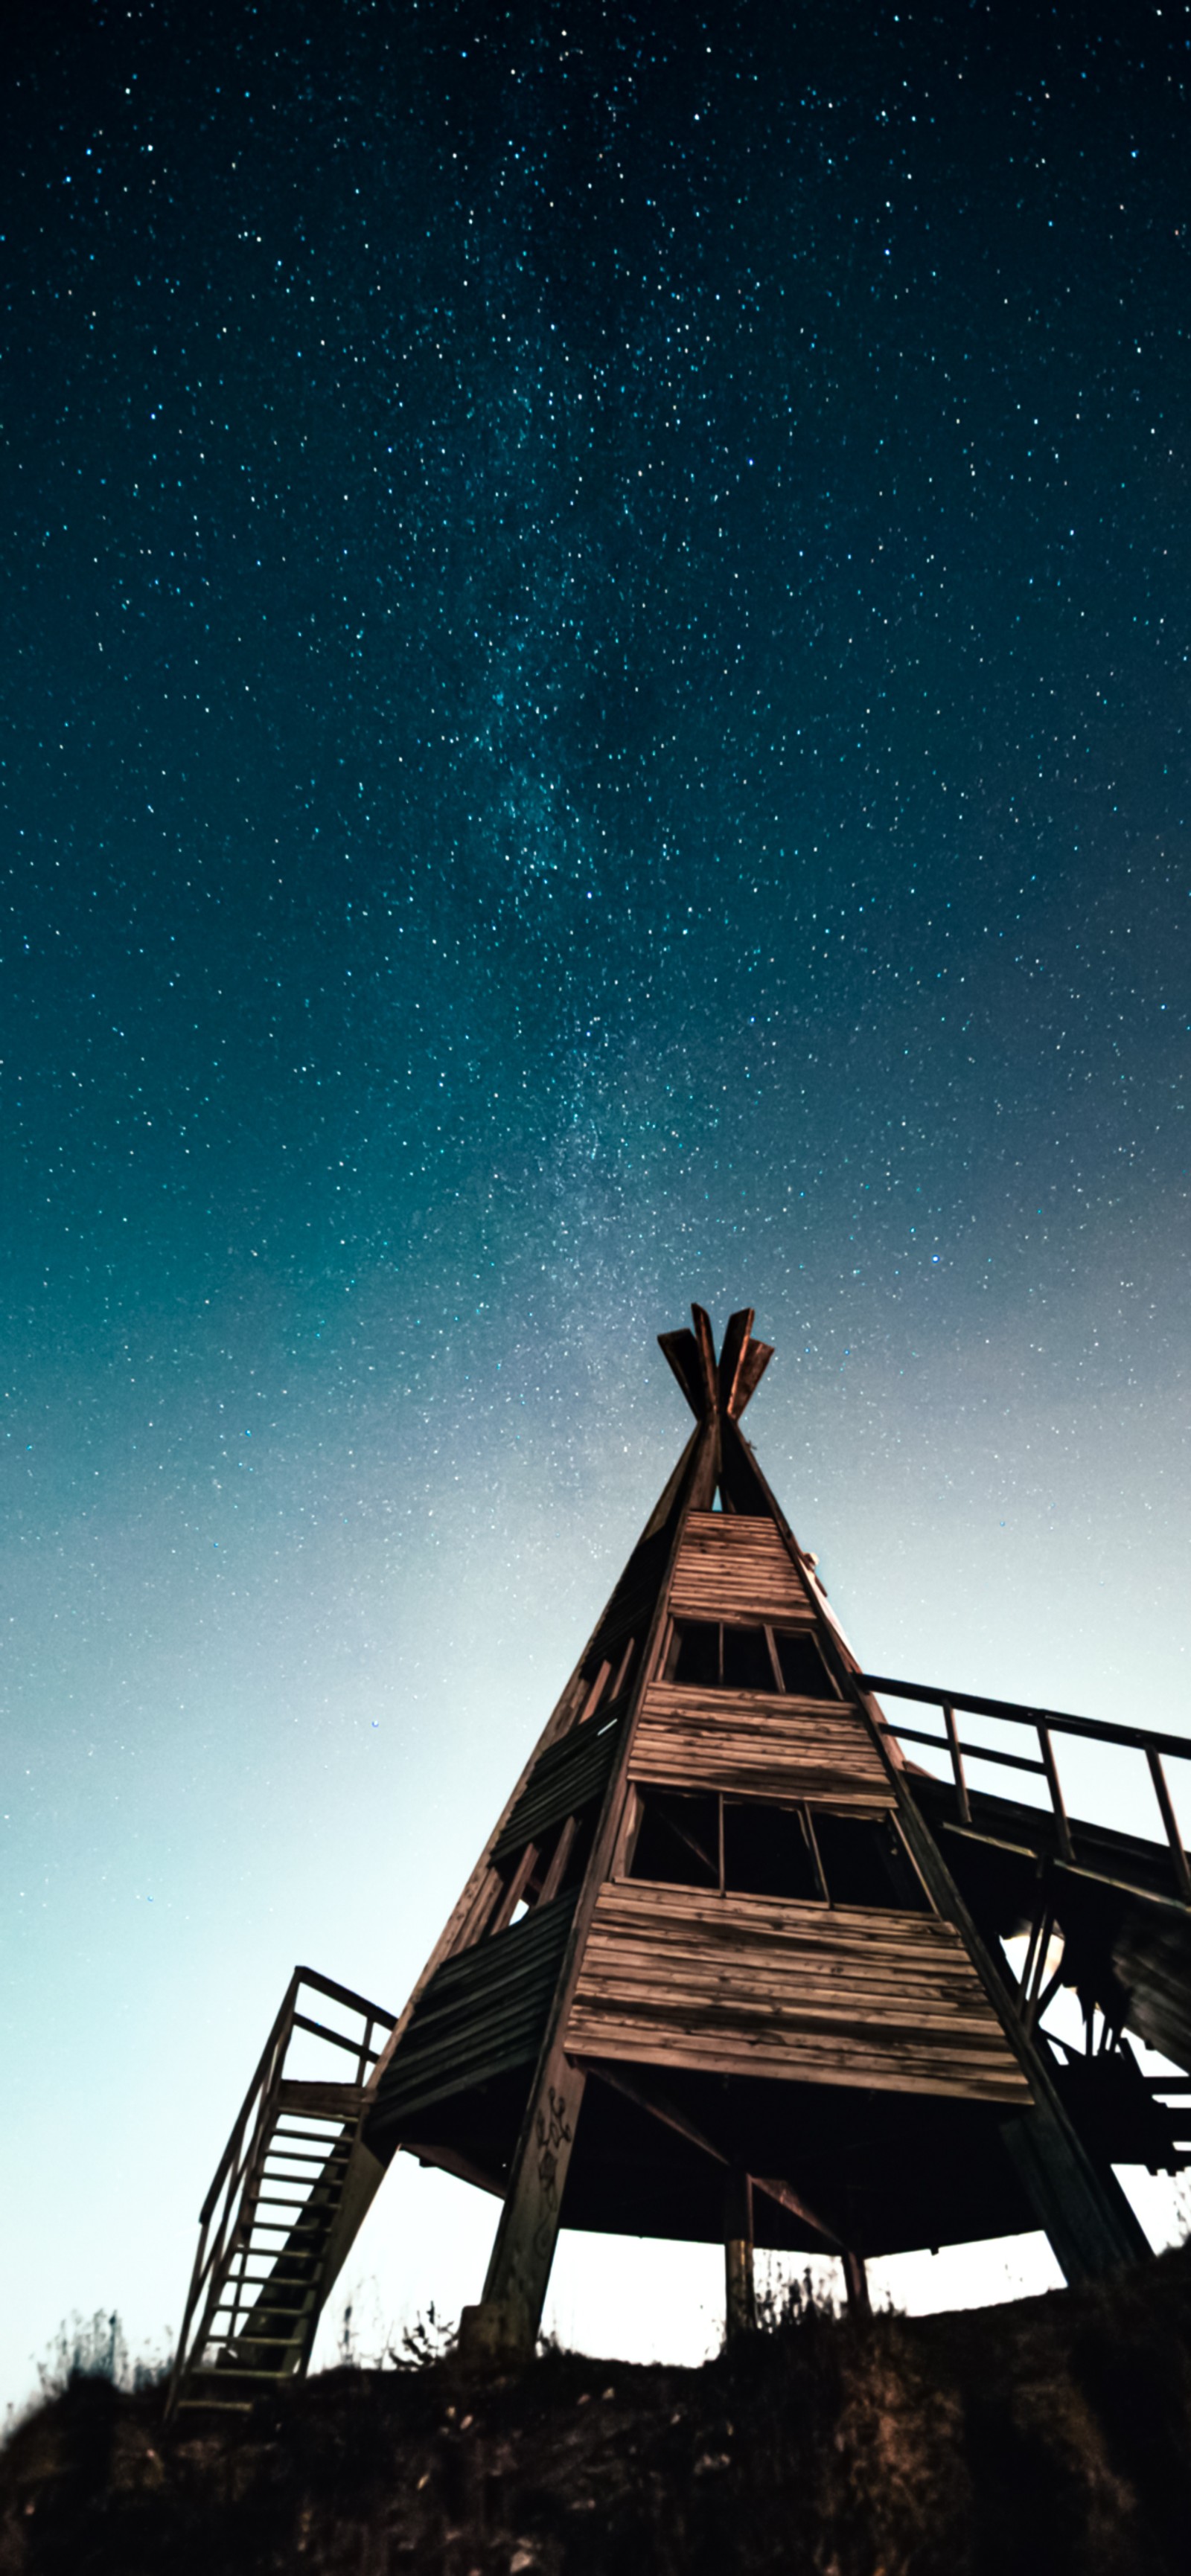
596 635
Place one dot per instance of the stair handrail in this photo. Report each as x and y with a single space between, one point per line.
1045 1722
235 2165
231 2171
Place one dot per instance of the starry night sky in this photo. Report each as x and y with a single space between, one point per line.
596 623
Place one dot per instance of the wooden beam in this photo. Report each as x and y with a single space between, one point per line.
1170 1821
515 1890
558 1861
786 2198
856 2283
1097 1729
735 1344
957 1764
708 1372
682 1351
649 2097
740 2295
451 2160
752 1369
1050 1767
505 2321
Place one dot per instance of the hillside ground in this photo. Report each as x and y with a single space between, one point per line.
1053 2434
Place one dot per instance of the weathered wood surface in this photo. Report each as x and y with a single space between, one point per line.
759 1746
752 1986
510 2286
682 1351
326 2101
519 2269
482 2014
734 1566
567 1776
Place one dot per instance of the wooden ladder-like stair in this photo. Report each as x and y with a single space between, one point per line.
268 2222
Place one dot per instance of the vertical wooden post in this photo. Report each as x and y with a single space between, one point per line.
957 1765
1050 1767
740 2296
503 2327
856 2283
1170 1822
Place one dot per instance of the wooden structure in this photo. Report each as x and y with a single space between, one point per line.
730 1969
281 2201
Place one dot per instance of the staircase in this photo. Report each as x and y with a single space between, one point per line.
267 2225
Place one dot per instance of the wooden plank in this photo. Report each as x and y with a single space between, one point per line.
709 1374
756 1360
629 1610
1098 1730
740 2298
329 2101
957 1766
1170 1823
732 1565
1056 1794
735 1344
681 1350
519 2268
505 2322
658 2106
674 1976
567 1776
758 1745
481 2015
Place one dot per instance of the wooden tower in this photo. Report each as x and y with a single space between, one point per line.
729 1968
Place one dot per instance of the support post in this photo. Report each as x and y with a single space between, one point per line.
502 2329
957 1765
1170 1824
740 2297
856 2283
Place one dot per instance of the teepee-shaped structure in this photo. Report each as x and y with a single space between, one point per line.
728 1968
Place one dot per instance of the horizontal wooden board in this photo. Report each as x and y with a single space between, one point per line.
761 1746
482 2014
324 2101
750 1986
732 1565
568 1776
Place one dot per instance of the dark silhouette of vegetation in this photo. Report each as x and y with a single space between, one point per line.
1051 2437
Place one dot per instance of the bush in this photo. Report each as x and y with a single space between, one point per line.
95 2348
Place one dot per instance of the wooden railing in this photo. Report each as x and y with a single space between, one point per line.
1044 1724
230 2220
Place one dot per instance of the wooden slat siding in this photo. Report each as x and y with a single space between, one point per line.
523 2250
732 1566
749 1986
764 1747
569 1774
471 1899
481 2015
625 1617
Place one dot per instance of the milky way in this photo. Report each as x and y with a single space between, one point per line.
596 660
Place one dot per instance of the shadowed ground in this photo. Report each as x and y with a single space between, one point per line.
1053 2434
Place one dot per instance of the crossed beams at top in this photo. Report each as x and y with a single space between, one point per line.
716 1388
